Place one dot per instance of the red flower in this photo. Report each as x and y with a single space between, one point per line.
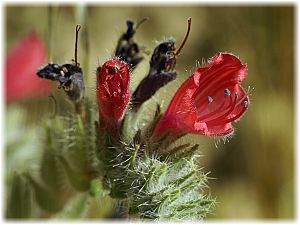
21 66
113 92
208 101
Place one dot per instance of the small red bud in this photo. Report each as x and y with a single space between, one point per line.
113 93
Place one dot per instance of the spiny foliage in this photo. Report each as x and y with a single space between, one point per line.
159 182
155 180
169 191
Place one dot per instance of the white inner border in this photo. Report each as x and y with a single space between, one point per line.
171 2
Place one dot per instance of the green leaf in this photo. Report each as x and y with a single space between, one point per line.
20 198
97 189
155 120
169 190
51 170
126 130
44 197
79 181
76 208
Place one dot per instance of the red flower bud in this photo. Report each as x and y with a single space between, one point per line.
208 101
21 65
113 92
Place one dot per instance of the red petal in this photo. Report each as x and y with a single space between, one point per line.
220 130
113 92
223 70
209 100
21 66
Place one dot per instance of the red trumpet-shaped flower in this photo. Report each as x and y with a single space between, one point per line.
21 66
113 92
208 101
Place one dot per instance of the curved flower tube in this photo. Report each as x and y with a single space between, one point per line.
208 101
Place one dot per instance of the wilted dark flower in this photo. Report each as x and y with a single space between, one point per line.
127 49
161 71
70 77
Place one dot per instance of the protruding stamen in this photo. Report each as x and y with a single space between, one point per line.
186 36
204 117
210 99
246 104
76 40
141 22
227 92
223 119
237 116
236 94
224 115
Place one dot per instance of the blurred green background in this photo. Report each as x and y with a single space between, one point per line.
255 171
